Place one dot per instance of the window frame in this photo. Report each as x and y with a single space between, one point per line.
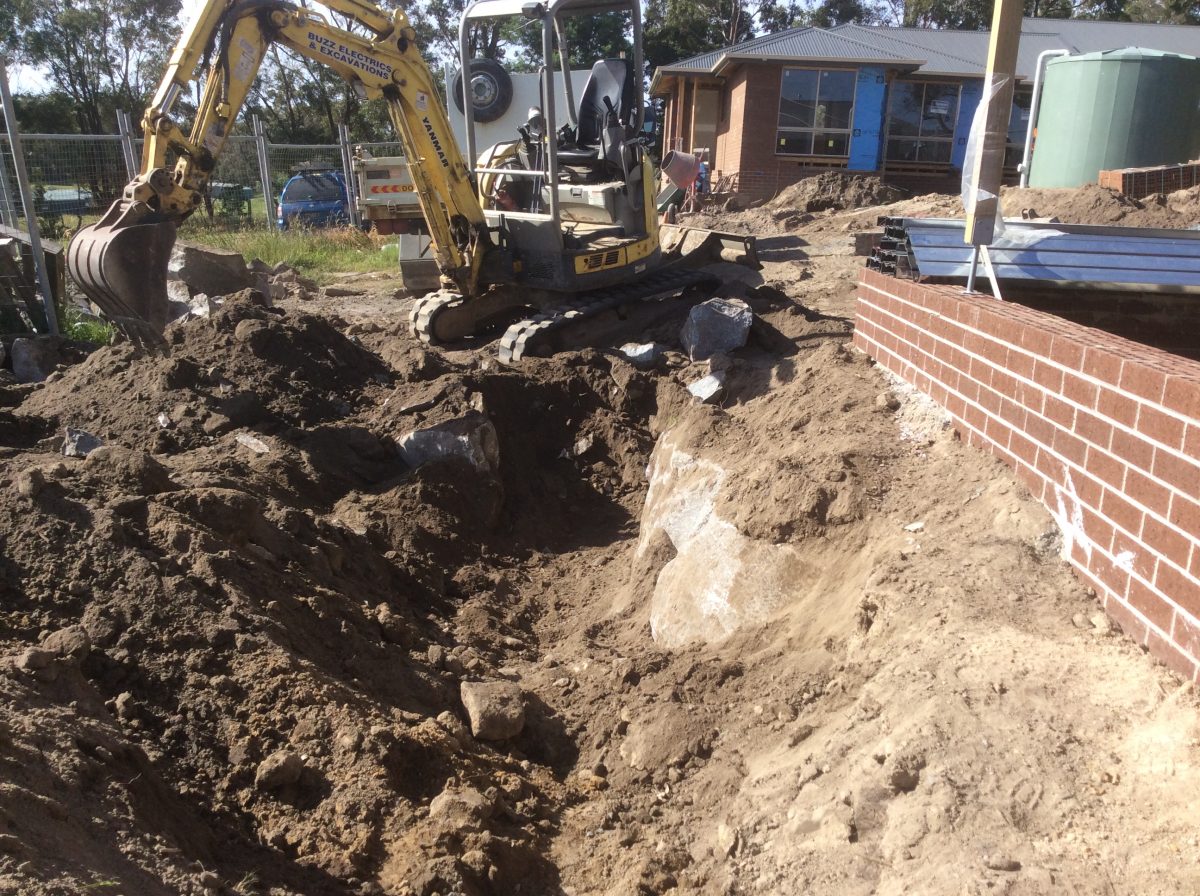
919 138
847 132
1016 151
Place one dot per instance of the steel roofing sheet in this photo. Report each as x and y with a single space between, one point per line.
1061 255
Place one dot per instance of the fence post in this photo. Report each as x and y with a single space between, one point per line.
348 170
8 207
31 222
125 129
264 168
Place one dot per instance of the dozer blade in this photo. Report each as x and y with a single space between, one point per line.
695 247
120 263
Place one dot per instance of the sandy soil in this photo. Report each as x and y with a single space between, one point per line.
800 641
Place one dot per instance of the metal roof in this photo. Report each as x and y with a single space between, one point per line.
942 51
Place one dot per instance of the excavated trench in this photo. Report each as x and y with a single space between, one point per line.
799 640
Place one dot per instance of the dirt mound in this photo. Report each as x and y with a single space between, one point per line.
262 687
1093 204
834 190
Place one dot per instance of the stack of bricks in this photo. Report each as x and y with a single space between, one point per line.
1140 182
1103 431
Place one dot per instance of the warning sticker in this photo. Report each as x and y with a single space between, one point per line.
422 101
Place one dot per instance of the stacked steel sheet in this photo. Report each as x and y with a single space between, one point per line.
1043 254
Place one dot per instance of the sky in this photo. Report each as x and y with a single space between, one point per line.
29 79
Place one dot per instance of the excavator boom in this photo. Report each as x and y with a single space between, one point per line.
121 261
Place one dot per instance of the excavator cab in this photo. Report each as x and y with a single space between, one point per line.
586 217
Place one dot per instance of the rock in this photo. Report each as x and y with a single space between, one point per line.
35 658
496 709
29 483
1001 863
643 356
214 272
280 769
209 881
34 358
886 401
1101 624
393 627
718 325
728 839
341 292
461 808
255 444
79 443
71 642
124 706
471 437
903 771
710 388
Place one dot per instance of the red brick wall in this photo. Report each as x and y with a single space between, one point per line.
730 133
1104 431
1140 182
748 147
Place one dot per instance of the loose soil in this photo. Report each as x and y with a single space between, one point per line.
803 640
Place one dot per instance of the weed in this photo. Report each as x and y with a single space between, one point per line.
248 885
99 885
314 253
83 327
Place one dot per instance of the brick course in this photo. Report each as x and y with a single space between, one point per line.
1102 430
1140 182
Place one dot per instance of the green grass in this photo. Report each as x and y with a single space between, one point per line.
314 253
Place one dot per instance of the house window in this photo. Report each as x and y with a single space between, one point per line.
1018 125
922 116
815 111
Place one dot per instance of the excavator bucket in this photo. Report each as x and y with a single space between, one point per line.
696 247
120 263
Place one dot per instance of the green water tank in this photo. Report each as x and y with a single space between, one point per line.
1128 108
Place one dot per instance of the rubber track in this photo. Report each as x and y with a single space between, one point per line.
423 311
521 339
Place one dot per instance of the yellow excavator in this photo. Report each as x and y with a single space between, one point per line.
560 221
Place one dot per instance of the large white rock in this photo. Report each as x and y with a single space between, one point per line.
719 580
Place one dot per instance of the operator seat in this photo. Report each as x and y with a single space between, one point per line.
604 110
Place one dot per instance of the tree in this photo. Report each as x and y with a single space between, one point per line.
103 54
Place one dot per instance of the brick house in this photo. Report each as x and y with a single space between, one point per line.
896 102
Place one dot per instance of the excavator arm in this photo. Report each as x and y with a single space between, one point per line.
121 262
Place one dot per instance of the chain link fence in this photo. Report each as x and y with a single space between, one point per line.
74 178
31 272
